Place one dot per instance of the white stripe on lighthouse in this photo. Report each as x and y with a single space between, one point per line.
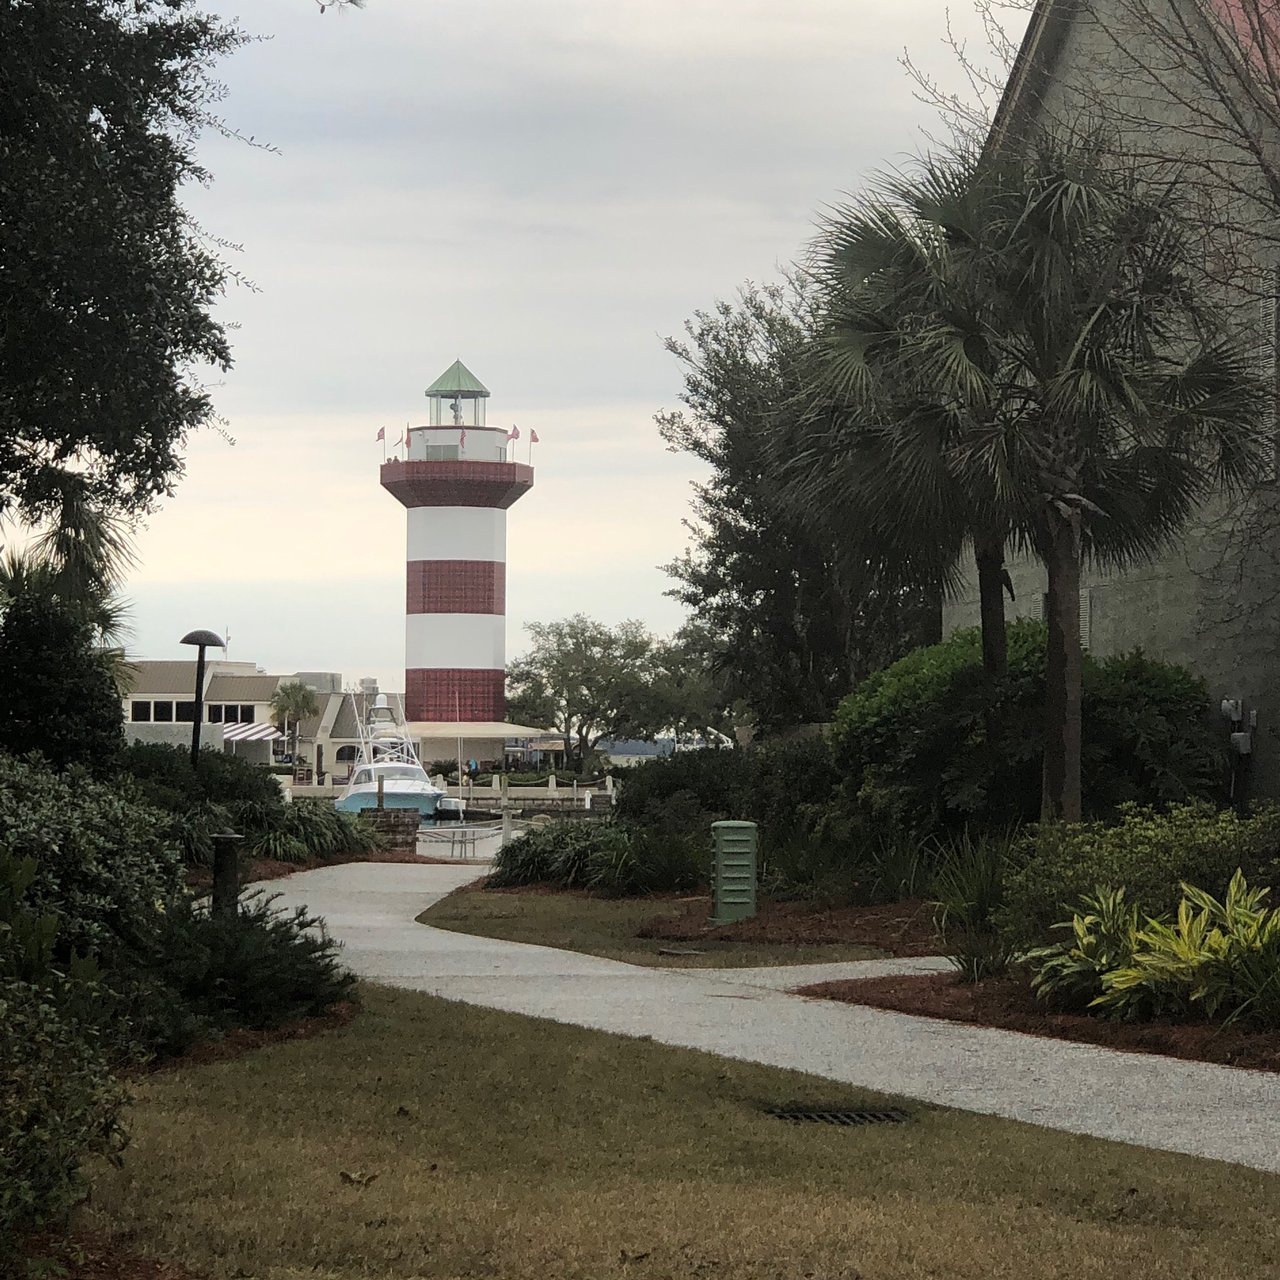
473 641
457 533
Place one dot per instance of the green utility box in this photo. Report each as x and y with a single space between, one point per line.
733 876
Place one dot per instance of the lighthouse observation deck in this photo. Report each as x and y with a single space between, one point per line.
461 483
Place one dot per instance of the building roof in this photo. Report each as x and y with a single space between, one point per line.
147 677
1037 60
468 729
241 688
457 379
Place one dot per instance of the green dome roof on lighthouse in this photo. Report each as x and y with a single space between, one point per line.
457 379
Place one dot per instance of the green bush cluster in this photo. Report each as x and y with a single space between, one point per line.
59 1103
933 744
606 857
105 864
226 793
201 975
105 959
1217 959
1148 852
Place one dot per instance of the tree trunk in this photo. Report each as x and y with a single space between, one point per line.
995 647
1060 791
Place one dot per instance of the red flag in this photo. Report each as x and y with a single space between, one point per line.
400 441
382 434
514 433
533 436
462 439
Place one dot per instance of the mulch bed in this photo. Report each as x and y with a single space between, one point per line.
900 928
241 1040
1010 1005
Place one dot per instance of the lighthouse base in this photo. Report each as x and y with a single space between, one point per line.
454 693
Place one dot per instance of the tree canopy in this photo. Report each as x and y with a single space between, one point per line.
587 681
1027 332
802 607
107 285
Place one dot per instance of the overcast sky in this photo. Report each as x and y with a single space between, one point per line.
545 188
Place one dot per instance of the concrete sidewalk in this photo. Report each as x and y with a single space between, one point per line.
1195 1108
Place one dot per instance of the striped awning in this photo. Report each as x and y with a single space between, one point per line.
250 733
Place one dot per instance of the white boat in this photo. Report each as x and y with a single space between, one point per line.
388 761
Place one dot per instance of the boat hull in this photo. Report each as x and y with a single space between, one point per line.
358 798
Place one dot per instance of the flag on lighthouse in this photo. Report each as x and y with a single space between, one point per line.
382 434
462 440
533 436
514 433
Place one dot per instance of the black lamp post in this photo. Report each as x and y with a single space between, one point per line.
202 640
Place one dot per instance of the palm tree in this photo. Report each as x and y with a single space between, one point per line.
293 702
1026 357
81 558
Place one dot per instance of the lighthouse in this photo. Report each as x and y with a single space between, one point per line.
457 480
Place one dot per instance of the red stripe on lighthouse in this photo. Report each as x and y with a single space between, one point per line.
444 693
456 586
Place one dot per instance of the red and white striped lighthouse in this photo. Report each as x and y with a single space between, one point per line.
458 478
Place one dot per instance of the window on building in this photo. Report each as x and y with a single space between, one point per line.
140 712
215 713
246 715
442 453
185 712
347 755
162 712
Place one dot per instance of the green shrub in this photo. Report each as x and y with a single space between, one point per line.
914 742
1149 853
968 886
59 1103
719 780
788 785
559 854
609 857
162 776
203 974
1217 959
104 863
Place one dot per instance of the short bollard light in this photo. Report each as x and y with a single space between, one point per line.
226 873
733 879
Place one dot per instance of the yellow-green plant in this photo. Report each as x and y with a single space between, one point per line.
1103 938
1218 958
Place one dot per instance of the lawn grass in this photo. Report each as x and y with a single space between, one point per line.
479 1143
607 927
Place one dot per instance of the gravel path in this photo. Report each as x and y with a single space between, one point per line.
1196 1108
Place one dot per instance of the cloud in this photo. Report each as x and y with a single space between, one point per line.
544 187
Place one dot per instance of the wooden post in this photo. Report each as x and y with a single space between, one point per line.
382 782
226 873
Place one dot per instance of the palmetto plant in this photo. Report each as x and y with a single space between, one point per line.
80 557
1023 356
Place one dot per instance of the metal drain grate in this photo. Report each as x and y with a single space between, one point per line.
798 1115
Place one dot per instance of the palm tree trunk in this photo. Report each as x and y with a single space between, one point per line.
1060 790
989 554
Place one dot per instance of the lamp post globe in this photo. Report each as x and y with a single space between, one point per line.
201 640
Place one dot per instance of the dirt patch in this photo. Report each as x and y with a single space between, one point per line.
899 928
84 1256
1009 1004
241 1040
